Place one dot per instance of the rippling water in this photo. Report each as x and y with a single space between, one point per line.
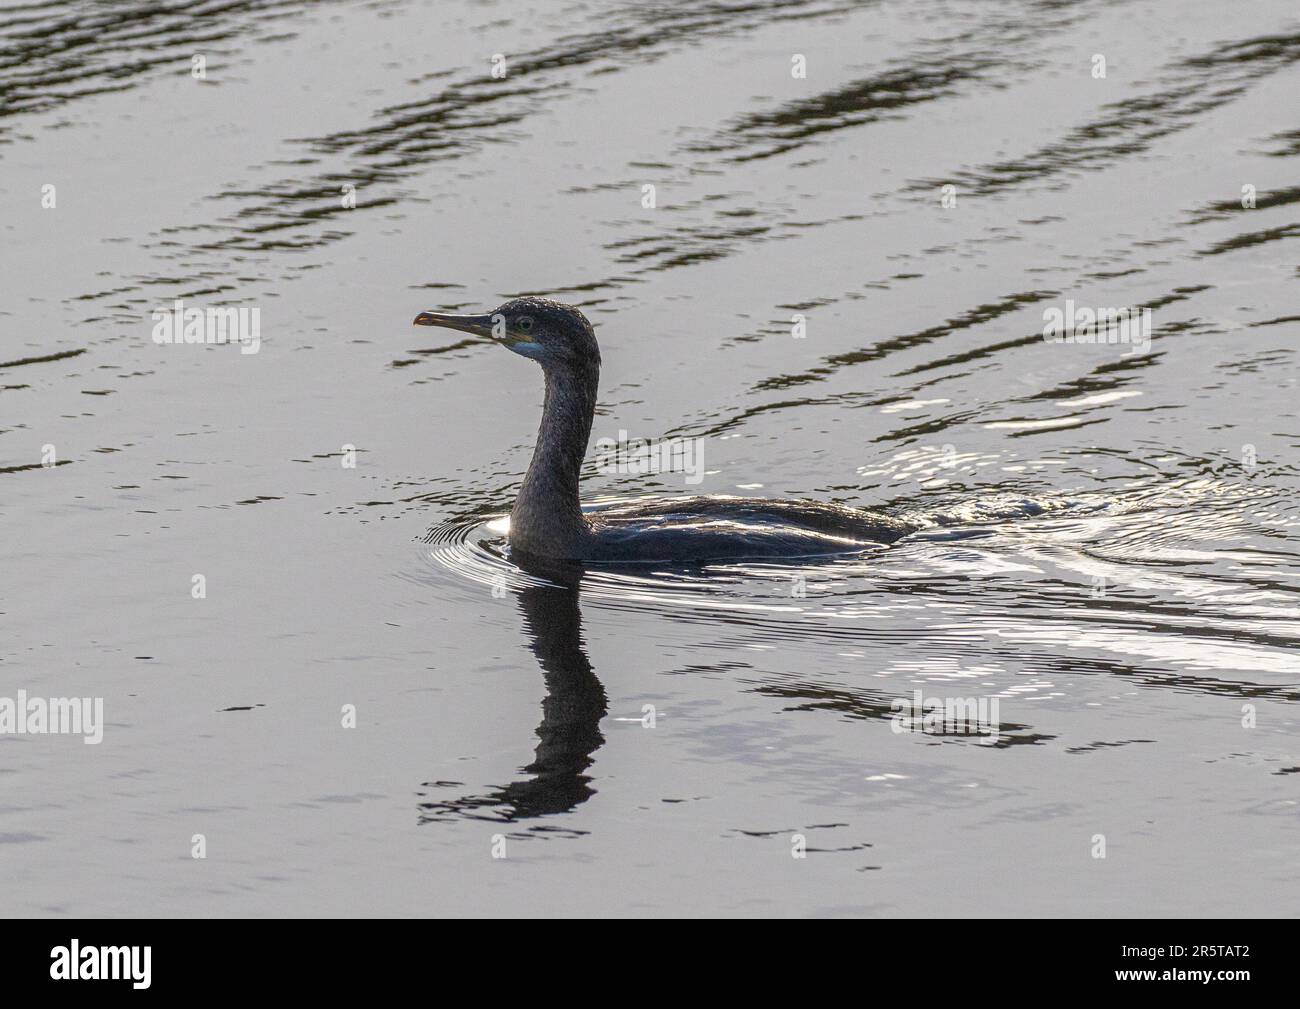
1109 547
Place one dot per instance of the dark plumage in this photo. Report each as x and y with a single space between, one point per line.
547 519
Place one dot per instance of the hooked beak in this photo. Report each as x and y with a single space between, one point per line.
483 325
479 325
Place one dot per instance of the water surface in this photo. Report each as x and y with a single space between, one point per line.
1110 548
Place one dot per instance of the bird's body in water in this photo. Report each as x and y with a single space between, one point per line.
547 520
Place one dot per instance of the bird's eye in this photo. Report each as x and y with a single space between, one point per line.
524 324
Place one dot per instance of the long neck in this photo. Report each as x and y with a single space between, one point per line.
547 518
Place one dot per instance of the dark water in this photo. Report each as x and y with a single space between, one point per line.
1111 546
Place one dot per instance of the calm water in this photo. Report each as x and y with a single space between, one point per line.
1111 552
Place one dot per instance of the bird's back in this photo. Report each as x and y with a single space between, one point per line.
698 529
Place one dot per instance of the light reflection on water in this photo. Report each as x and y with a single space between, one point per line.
1109 541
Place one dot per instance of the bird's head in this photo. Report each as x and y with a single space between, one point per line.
554 335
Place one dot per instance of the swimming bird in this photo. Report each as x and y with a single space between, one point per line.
547 520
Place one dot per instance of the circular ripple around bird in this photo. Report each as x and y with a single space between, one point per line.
475 550
1022 567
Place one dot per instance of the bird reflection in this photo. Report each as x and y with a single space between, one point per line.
575 703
